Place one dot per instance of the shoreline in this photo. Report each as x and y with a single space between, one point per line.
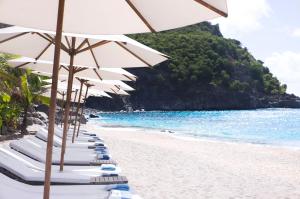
96 111
197 138
160 165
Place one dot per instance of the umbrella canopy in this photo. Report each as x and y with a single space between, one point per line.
107 84
60 91
94 89
94 92
102 85
98 51
111 86
60 96
97 93
91 73
113 16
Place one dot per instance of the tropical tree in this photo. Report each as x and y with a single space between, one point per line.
19 89
9 107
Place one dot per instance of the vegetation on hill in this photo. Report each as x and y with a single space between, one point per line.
201 57
205 71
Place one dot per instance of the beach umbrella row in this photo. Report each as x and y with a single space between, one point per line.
108 86
101 17
97 92
81 100
82 50
96 87
111 86
41 67
61 95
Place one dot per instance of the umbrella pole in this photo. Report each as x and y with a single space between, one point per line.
62 109
73 107
68 103
78 106
59 26
86 92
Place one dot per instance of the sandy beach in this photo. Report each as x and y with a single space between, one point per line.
162 166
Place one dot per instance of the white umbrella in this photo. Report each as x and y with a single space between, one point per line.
91 73
60 95
111 86
113 16
98 87
93 91
97 93
98 51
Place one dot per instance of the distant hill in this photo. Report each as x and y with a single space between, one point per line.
206 71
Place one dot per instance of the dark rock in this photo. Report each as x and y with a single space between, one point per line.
94 116
43 108
83 120
206 100
33 120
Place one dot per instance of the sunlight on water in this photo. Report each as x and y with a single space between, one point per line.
270 126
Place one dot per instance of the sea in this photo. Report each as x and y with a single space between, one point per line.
262 126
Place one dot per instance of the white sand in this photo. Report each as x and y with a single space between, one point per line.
163 166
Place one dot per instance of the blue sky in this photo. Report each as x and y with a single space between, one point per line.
270 29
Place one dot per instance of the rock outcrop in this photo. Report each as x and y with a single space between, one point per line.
205 72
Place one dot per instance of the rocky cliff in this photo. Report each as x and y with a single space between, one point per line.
205 72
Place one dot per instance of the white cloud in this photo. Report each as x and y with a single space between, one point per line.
244 17
286 67
296 32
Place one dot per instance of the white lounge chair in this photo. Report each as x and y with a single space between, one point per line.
85 138
73 153
31 172
43 144
12 189
104 169
43 134
85 132
37 152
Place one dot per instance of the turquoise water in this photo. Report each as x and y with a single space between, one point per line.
265 126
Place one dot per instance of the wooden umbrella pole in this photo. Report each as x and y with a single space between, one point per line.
62 108
68 103
86 92
78 106
59 26
73 107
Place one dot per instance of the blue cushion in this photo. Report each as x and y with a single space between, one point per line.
105 157
108 168
121 187
100 148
